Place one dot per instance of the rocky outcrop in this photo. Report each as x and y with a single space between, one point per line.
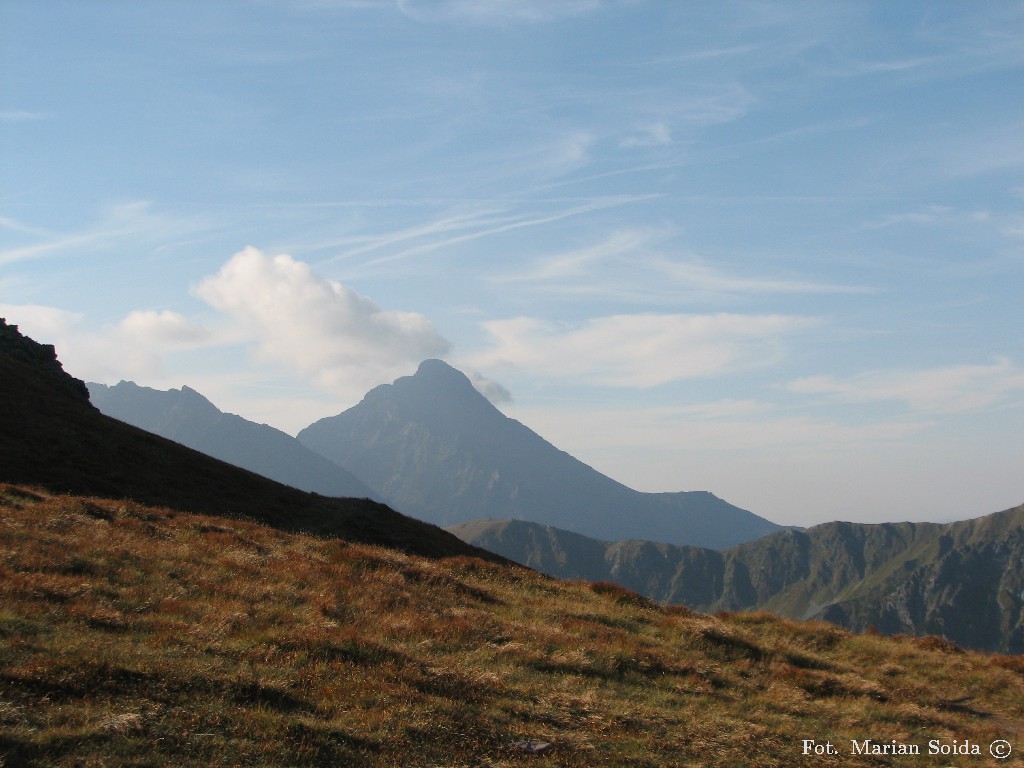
42 358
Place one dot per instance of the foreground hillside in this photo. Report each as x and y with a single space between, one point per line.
436 449
137 635
963 580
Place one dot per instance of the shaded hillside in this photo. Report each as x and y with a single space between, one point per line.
141 636
437 449
186 417
50 435
963 581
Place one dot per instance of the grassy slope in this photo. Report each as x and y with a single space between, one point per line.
135 635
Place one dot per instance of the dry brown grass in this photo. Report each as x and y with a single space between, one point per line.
133 635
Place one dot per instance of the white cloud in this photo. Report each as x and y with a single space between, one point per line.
489 388
132 349
319 328
952 389
42 324
166 327
639 350
304 326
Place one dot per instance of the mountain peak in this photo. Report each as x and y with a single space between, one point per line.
145 400
195 398
437 387
439 373
440 450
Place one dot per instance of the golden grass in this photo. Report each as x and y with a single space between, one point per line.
132 635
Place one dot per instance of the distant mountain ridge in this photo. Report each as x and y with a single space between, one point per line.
963 580
52 436
186 417
435 448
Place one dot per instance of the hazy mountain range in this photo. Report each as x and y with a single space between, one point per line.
437 449
433 447
186 417
963 581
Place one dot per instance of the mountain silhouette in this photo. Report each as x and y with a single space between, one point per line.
437 449
186 417
51 436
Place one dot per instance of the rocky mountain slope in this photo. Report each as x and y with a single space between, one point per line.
963 581
186 417
51 436
438 450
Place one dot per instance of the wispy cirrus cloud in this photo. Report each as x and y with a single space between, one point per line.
120 224
639 262
461 228
495 12
22 116
952 389
639 350
657 134
931 215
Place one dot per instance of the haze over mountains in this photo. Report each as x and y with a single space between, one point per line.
433 447
437 449
186 417
963 581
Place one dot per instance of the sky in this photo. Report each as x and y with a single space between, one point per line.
772 250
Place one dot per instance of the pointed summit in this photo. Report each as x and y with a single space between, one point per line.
438 371
437 394
439 450
438 379
190 395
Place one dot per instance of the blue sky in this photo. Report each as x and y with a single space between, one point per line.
773 250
